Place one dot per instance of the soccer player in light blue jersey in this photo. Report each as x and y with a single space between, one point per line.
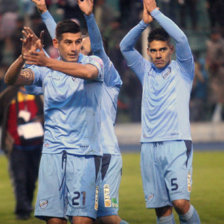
166 151
72 88
111 161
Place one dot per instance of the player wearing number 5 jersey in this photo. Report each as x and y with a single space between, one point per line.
166 153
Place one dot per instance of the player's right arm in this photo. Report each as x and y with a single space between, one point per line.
97 48
134 59
46 17
15 75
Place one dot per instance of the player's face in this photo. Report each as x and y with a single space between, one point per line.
86 46
160 53
69 46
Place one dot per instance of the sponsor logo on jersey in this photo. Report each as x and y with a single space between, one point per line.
114 202
107 201
96 198
43 203
189 182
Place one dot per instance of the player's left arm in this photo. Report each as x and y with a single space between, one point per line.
111 76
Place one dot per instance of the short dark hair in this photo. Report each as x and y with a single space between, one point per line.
67 26
158 34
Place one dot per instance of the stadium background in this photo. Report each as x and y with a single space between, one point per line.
115 18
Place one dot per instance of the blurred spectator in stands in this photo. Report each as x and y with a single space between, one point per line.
133 90
104 14
10 47
17 35
199 91
21 118
71 10
215 65
8 24
130 12
169 8
3 69
37 26
188 7
216 13
9 6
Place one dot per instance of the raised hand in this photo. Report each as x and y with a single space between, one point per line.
36 58
31 44
150 5
147 18
86 6
30 41
41 5
28 30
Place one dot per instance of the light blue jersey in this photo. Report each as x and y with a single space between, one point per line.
166 92
111 87
34 90
72 109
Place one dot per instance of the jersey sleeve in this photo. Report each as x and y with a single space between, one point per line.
111 76
34 90
39 74
50 23
98 63
184 55
134 59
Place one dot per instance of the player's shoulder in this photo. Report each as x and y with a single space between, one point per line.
85 59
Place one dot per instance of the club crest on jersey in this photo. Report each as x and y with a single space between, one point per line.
43 203
150 197
166 73
150 72
107 201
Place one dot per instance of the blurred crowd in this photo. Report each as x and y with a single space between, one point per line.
115 18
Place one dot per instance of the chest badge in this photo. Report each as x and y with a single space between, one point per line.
166 73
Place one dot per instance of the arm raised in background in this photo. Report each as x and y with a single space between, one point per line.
133 57
46 17
86 7
112 77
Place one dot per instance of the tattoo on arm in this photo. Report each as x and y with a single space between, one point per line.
26 77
